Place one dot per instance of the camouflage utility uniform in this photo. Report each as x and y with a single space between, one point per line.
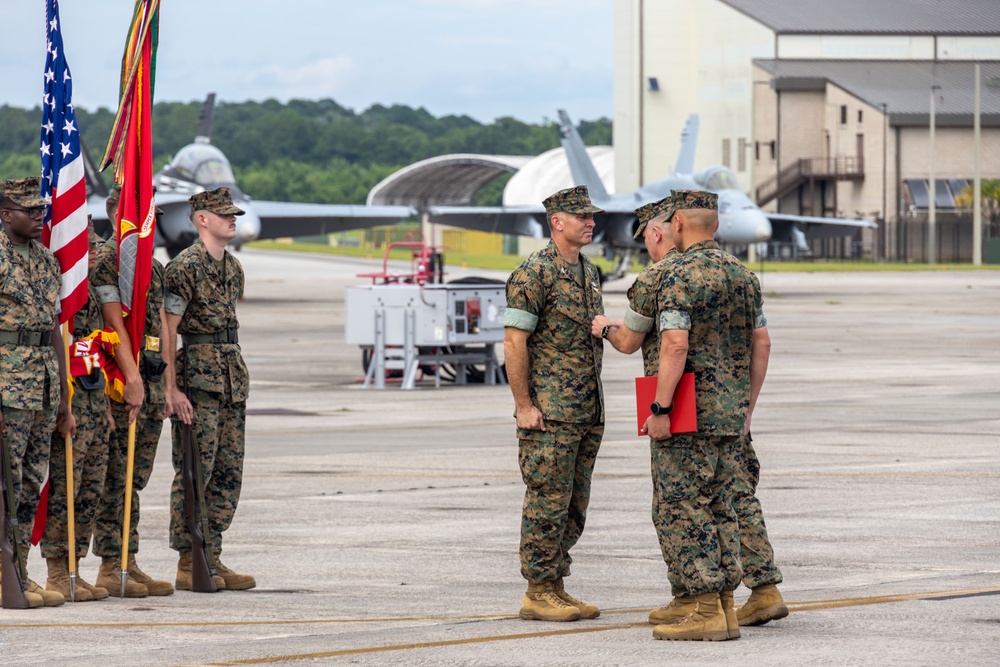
204 292
717 300
90 455
643 314
29 370
546 298
148 422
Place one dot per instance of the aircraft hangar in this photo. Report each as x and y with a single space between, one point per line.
454 180
846 87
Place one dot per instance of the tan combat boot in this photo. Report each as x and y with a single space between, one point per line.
732 624
33 599
59 581
765 604
234 581
183 580
679 607
540 603
153 586
96 591
706 623
110 577
49 598
586 610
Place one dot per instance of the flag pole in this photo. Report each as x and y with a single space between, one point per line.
127 518
70 492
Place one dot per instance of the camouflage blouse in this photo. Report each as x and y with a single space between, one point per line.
29 300
643 314
88 319
205 295
545 298
713 296
105 282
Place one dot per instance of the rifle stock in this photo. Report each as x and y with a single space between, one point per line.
11 568
195 516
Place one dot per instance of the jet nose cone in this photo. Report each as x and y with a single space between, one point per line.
247 225
762 230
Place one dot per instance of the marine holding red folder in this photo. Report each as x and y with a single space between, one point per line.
693 310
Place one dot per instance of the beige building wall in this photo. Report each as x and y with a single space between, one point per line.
701 53
856 47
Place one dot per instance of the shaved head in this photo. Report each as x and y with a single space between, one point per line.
704 219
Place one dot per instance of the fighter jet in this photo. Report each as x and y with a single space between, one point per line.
741 221
201 166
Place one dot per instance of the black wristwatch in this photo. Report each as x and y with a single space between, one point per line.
658 409
606 330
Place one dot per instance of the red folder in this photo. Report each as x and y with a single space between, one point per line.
683 416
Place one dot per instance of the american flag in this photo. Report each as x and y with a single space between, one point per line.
65 231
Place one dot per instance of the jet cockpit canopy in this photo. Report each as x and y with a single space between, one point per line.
203 164
197 167
717 177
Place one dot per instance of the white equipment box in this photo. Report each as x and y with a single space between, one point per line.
397 320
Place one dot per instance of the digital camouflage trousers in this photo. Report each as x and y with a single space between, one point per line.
694 478
90 465
756 553
219 429
111 510
27 436
556 466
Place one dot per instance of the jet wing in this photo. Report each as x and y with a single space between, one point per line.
813 227
615 225
280 219
519 220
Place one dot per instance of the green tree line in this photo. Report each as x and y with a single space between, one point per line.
303 150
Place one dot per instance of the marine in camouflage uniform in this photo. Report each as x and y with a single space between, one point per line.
90 462
715 302
31 393
550 305
639 330
148 425
202 292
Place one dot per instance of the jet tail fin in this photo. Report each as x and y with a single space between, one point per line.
580 165
205 118
689 143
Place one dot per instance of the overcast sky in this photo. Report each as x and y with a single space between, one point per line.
484 58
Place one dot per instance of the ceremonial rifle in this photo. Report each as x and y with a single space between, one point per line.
14 576
196 516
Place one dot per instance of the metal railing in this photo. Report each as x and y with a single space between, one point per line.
835 168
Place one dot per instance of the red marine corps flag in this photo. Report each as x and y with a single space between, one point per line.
130 148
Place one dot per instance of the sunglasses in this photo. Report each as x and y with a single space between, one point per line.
32 212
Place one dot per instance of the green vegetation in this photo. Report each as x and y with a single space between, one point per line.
510 262
317 151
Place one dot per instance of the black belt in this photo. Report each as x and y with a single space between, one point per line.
219 337
30 338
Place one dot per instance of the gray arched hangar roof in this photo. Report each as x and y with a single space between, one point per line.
453 180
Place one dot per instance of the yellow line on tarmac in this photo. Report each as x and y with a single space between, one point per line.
406 647
813 605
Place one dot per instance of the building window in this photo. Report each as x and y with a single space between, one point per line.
774 150
859 116
741 155
727 159
843 115
756 151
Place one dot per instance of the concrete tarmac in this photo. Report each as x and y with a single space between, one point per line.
382 526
